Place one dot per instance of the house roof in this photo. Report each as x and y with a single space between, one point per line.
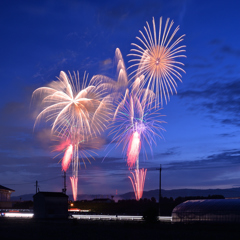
51 194
2 188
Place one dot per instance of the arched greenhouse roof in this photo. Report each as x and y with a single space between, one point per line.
227 210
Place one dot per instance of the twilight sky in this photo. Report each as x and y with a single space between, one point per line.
41 38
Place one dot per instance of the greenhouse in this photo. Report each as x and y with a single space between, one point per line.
207 210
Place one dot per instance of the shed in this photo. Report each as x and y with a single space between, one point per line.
50 205
207 210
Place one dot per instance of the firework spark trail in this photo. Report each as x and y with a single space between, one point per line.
156 59
138 181
134 147
74 183
135 122
67 158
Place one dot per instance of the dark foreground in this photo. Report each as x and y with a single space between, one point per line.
83 229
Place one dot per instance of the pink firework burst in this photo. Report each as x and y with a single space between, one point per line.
136 123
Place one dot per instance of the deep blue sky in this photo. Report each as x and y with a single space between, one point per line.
41 38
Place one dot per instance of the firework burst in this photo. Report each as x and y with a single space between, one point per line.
136 122
78 113
71 105
156 58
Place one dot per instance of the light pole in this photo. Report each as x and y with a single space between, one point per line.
160 189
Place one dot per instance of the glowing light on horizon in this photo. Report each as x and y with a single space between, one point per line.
138 181
155 58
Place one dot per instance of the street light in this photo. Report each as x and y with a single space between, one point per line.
160 189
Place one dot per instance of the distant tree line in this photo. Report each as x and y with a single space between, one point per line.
133 207
126 207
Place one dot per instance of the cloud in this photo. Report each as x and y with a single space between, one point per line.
226 49
218 98
215 42
227 135
229 158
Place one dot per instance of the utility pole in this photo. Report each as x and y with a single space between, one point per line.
160 188
36 187
64 190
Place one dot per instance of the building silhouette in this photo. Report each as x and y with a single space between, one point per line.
5 197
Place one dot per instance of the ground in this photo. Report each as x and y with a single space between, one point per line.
83 229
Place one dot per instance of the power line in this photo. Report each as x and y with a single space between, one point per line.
26 183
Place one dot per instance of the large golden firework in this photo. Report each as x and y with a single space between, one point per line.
73 107
77 112
156 59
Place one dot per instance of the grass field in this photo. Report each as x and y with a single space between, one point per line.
33 229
